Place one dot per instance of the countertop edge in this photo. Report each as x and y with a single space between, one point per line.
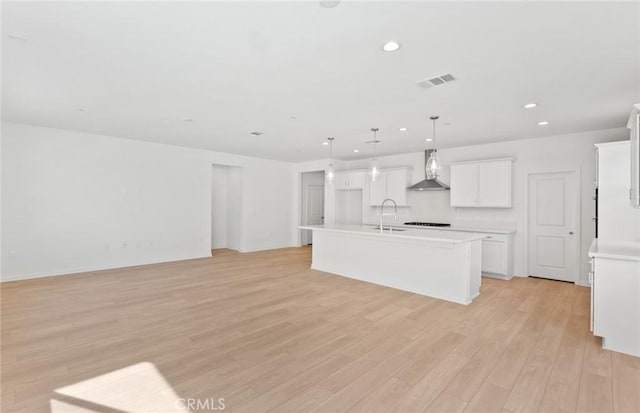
395 235
622 256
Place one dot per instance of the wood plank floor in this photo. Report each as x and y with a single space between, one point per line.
266 333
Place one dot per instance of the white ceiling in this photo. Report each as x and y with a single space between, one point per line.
138 69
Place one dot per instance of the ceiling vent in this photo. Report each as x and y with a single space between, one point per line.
436 81
256 133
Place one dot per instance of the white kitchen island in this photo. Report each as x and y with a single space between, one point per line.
440 264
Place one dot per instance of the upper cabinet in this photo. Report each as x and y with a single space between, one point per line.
348 180
392 183
482 184
634 127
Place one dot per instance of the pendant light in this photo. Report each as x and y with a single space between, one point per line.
329 173
433 166
374 170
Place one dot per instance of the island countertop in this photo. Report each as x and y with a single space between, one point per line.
401 233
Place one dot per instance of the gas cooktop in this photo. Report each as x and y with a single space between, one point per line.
427 224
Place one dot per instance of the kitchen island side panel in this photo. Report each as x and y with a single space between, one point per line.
448 271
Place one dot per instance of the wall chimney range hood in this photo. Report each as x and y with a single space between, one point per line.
429 184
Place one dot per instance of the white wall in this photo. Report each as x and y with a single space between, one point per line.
575 151
73 201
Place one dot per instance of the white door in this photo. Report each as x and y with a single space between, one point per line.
552 226
312 205
315 209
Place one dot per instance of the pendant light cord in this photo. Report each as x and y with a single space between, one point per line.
375 141
434 135
434 119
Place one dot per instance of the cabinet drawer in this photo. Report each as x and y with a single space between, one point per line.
497 237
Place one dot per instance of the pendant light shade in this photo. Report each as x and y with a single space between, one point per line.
432 169
433 165
374 169
329 173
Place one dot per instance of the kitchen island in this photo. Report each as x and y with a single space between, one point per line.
440 264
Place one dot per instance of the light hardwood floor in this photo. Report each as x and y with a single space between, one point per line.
266 333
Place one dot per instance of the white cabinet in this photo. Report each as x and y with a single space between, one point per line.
634 128
344 201
392 183
497 255
482 184
346 180
618 220
615 303
464 185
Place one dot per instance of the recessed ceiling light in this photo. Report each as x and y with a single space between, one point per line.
391 46
402 129
429 139
329 4
356 150
325 143
543 123
530 105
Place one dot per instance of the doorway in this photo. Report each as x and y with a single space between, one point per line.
312 207
226 208
553 225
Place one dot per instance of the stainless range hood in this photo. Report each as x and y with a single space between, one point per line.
429 184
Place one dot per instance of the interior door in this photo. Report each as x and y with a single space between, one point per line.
315 208
552 223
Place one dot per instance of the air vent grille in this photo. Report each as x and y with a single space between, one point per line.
436 81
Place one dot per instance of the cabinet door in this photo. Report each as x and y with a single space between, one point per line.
397 185
356 180
494 254
341 180
592 284
634 192
494 184
464 184
378 191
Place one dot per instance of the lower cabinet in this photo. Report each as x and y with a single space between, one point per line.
615 303
497 256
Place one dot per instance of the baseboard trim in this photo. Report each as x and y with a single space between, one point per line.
81 270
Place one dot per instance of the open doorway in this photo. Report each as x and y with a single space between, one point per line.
226 208
312 207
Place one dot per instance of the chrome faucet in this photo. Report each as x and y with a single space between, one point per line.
382 214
